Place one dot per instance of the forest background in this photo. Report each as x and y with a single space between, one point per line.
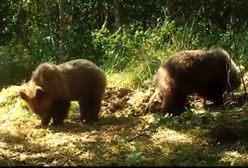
128 39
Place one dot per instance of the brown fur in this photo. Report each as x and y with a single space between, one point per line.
52 87
196 71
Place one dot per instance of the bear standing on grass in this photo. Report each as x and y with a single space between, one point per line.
207 73
52 87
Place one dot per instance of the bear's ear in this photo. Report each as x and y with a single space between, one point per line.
23 95
39 92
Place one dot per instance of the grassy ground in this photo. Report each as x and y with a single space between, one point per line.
125 134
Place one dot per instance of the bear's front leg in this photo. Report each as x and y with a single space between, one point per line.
60 111
44 122
173 103
215 96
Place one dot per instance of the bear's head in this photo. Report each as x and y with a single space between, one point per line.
234 72
234 75
36 98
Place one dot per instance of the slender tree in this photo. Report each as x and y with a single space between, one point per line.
61 32
117 13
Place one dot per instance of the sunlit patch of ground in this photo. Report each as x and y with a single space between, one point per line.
171 136
235 158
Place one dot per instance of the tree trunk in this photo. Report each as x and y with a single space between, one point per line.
117 12
50 27
22 22
62 32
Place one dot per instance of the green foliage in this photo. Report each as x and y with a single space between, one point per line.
133 158
188 113
159 120
133 49
12 68
150 31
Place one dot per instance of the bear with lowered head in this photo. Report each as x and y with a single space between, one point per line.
206 73
52 87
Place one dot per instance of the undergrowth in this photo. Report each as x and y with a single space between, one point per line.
130 53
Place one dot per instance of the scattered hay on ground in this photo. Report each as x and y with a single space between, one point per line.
127 133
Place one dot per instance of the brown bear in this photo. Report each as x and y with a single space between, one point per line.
52 87
206 73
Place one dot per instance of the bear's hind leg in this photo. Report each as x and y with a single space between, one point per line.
89 109
60 111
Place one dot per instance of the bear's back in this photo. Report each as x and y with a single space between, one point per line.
81 69
77 63
82 76
194 65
